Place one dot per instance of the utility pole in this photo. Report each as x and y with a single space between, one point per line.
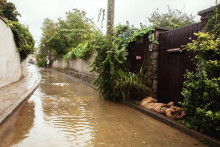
110 16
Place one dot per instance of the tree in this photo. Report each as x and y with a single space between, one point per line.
70 32
172 19
48 29
8 10
62 36
3 4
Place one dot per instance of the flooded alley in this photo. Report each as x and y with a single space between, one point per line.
62 112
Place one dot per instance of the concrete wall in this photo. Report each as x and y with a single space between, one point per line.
78 69
11 68
79 65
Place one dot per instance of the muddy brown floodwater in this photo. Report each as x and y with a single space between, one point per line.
63 112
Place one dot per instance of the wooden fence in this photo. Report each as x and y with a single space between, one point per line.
172 64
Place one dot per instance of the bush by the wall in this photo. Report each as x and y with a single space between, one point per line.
115 81
23 39
42 63
201 90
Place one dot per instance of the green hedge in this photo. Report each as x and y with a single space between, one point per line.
23 39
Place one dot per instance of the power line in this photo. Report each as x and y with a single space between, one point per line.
72 4
58 9
64 6
68 5
61 11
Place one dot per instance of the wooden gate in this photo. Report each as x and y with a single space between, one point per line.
172 64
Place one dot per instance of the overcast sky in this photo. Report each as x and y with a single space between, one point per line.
33 12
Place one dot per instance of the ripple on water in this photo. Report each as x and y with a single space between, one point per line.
60 84
67 113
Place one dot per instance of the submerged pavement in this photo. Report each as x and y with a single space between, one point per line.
63 112
12 95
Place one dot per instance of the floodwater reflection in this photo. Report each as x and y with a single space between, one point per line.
13 127
63 112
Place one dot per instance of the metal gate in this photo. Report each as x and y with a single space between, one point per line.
172 63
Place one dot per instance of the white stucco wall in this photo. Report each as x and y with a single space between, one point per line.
11 69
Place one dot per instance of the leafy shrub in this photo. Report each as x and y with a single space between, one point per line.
70 56
202 89
124 35
109 63
129 86
213 24
42 62
115 81
83 50
23 39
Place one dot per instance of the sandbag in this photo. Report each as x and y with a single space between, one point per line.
166 109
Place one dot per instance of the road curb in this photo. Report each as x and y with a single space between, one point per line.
195 134
19 99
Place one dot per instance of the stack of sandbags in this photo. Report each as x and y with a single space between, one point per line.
166 109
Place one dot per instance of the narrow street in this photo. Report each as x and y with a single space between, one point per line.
63 112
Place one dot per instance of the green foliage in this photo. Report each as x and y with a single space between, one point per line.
83 50
172 19
114 80
107 63
101 18
213 25
8 11
86 48
129 86
3 3
201 90
42 62
124 35
48 29
70 33
210 121
63 37
23 39
70 56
